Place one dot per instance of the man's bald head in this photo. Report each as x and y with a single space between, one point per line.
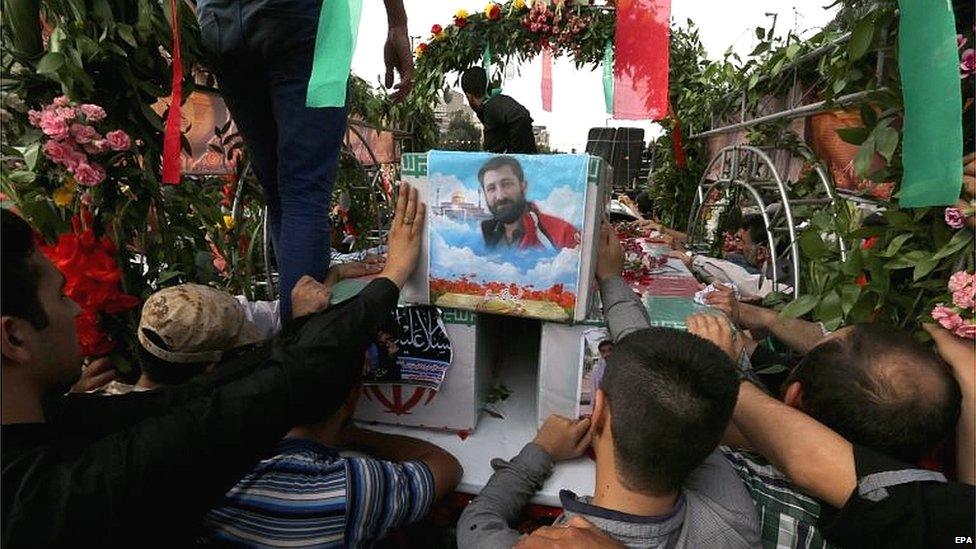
877 386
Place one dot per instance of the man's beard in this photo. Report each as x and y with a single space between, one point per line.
506 210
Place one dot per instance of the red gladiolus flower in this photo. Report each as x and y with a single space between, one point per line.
436 29
861 280
460 22
869 242
494 12
92 280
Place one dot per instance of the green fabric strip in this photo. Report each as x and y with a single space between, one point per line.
932 141
335 43
608 76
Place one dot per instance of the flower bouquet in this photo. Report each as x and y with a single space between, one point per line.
959 316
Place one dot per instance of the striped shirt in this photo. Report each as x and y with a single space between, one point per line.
307 495
788 519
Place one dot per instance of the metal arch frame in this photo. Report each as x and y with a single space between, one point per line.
734 151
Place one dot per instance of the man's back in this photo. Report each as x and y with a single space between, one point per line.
713 510
508 126
306 494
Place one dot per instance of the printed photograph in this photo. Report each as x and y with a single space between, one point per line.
505 232
411 348
597 347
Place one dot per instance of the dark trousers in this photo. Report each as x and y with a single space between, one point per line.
262 56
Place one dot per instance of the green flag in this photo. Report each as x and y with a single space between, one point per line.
932 140
608 75
335 43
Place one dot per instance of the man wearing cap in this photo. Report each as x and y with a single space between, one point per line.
72 478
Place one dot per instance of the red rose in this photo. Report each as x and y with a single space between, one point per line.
436 29
460 22
861 280
494 12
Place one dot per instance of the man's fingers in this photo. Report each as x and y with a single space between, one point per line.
101 379
401 203
581 428
410 211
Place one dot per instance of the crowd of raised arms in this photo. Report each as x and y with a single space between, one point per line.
238 429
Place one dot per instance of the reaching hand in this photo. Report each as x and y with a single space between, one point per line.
309 296
563 438
685 258
651 224
397 55
406 234
723 299
610 261
716 330
578 533
95 375
959 353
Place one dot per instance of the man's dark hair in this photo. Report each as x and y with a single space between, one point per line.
604 343
500 162
474 80
163 371
671 396
645 204
878 387
20 278
756 227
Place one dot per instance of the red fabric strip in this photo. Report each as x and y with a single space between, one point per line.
547 79
679 150
171 137
640 70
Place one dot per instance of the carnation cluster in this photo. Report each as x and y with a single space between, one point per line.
74 141
959 316
554 26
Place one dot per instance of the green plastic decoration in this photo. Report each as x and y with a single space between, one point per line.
335 43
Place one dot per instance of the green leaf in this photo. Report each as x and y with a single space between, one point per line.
792 50
125 33
103 11
909 259
864 156
958 242
868 116
31 154
886 142
829 310
854 136
924 267
50 63
800 306
812 245
772 369
22 176
760 33
860 39
848 296
896 244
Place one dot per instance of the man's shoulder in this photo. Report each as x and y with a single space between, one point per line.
719 506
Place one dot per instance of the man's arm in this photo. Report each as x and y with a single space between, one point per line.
396 53
443 466
961 357
485 521
622 309
817 460
800 335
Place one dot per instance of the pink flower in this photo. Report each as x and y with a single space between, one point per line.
34 117
89 174
98 146
66 113
86 198
949 319
58 152
967 64
75 159
53 125
955 218
84 134
959 281
964 298
60 101
93 113
118 140
967 330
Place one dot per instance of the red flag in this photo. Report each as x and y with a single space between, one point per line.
171 137
640 70
547 79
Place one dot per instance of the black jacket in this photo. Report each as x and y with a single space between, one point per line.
508 126
143 469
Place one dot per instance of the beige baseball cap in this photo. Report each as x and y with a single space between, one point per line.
197 323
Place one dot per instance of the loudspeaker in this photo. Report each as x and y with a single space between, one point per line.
622 148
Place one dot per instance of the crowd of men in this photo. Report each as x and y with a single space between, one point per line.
239 430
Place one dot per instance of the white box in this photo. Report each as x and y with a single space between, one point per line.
457 405
560 368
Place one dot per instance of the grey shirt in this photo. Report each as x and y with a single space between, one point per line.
713 508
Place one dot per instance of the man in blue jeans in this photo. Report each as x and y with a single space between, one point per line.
262 53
